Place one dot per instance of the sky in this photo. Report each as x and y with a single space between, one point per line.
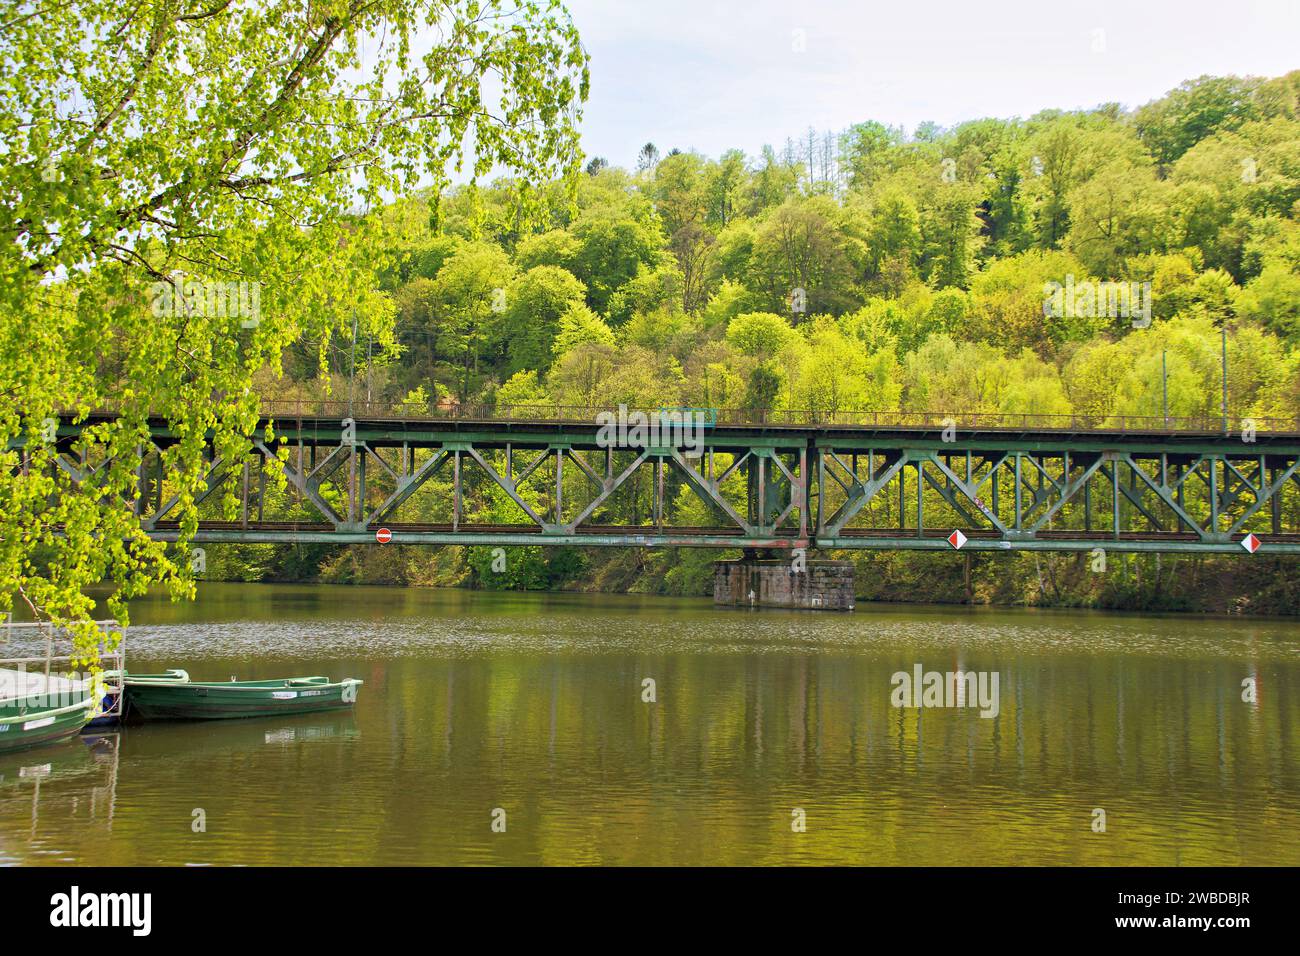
710 75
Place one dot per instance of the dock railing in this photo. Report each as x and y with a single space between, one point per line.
16 635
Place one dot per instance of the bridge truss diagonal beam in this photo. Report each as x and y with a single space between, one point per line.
778 487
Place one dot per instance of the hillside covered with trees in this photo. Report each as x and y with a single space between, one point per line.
875 269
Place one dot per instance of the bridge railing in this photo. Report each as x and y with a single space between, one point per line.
313 408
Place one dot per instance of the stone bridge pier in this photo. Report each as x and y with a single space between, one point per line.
762 579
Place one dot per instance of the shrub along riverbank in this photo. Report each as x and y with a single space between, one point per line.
1193 583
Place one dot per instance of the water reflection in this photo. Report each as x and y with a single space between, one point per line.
534 705
67 786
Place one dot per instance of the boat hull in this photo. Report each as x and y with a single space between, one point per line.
186 701
39 727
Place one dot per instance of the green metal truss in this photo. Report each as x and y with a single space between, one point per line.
772 487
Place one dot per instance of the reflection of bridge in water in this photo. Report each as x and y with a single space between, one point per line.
549 477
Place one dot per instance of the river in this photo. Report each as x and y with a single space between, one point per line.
516 729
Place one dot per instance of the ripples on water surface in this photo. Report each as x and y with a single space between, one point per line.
532 703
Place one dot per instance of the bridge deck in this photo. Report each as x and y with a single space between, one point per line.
1004 482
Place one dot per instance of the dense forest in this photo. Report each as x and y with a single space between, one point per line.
873 269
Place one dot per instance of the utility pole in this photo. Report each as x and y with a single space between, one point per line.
1225 376
352 375
1164 385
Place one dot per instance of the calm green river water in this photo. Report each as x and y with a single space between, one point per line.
529 710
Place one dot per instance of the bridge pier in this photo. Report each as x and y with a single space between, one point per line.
757 580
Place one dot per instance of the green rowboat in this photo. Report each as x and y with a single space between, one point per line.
173 696
39 709
21 728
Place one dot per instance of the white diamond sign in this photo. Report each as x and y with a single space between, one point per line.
957 539
1250 543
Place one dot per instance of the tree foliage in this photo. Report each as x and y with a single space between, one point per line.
159 148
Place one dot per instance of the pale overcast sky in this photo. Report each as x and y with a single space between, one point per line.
714 74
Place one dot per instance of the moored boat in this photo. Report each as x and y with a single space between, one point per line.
24 725
172 695
38 705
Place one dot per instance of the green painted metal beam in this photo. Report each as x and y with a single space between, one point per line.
652 538
1233 547
1041 484
667 539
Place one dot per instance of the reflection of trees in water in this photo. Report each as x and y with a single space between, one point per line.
1159 740
589 771
1146 721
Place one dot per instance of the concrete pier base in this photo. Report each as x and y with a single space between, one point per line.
772 582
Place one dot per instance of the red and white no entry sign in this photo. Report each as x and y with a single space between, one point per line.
383 536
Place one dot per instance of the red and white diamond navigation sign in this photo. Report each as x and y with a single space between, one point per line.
383 536
1251 543
957 539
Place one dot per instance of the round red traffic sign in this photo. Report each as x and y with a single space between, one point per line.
383 536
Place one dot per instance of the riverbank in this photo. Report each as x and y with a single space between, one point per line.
1202 584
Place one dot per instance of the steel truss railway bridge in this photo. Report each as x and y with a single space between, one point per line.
881 482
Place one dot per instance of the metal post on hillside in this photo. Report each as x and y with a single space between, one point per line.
1225 376
352 376
1164 386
